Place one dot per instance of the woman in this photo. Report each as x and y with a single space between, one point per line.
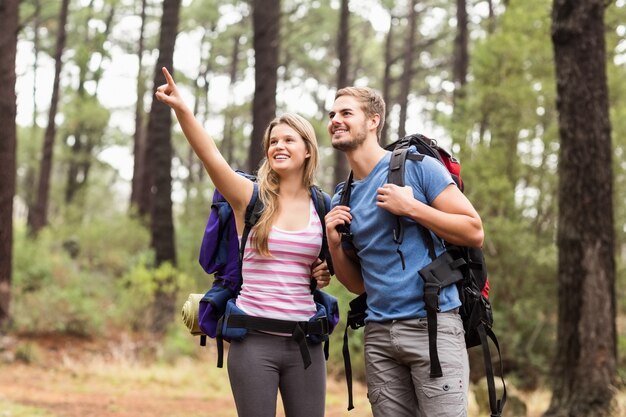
280 258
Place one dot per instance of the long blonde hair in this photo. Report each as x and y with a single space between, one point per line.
269 181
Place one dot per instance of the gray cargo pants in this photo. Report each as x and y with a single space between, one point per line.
397 367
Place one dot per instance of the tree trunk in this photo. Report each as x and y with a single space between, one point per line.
8 110
39 218
30 177
201 112
266 23
491 22
159 139
343 80
227 146
36 48
407 75
461 53
387 81
585 364
140 193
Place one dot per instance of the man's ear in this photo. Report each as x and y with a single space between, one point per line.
375 121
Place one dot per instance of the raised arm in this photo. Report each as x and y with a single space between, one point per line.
235 188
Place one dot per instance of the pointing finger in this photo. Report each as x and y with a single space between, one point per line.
168 77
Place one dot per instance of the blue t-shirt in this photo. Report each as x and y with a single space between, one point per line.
394 293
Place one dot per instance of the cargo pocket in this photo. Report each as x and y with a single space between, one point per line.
376 399
447 390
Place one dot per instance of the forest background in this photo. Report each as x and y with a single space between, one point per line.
109 203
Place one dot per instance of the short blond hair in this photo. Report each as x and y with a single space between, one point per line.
371 103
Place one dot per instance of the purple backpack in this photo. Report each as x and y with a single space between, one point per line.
220 255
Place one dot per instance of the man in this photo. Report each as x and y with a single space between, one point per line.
396 337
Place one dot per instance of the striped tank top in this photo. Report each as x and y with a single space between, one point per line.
277 286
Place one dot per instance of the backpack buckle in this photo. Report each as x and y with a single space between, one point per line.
431 296
344 231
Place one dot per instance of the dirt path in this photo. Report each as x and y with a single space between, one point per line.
71 377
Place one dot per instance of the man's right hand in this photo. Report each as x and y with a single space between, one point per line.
338 216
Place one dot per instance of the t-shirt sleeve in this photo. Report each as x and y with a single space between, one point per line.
431 178
334 201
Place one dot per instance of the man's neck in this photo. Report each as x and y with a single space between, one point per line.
363 159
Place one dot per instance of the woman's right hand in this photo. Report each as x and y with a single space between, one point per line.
168 93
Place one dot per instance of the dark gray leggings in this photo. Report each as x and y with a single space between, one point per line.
262 364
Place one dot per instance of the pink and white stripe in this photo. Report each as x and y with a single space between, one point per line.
278 286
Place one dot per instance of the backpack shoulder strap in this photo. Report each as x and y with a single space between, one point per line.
321 201
397 164
395 175
345 188
253 212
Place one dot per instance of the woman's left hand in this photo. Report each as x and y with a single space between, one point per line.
320 273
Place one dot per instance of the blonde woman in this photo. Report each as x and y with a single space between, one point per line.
280 258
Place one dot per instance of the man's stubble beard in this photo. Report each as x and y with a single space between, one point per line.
350 144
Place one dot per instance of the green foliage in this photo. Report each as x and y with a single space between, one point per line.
29 353
177 343
522 284
107 243
505 135
201 14
189 234
85 115
89 280
17 410
136 291
50 293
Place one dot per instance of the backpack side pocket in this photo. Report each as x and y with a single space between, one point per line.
213 306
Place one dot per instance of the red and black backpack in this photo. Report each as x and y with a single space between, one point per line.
460 265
